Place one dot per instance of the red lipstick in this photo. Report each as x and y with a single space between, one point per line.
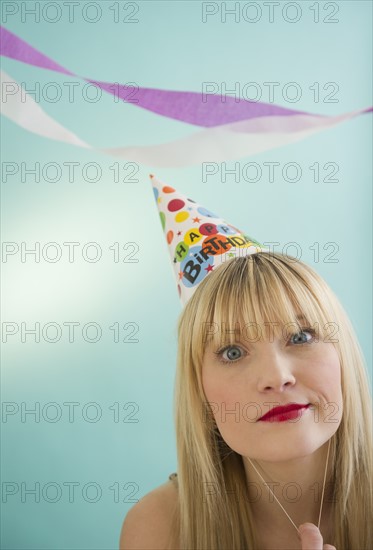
282 414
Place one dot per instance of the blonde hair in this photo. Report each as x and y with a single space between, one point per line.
264 287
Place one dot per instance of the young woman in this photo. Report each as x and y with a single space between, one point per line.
260 333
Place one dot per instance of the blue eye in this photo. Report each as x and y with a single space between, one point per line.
301 337
233 354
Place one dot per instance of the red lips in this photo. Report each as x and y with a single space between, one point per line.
283 410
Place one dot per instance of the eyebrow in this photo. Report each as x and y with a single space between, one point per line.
302 318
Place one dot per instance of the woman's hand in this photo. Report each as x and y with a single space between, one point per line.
311 538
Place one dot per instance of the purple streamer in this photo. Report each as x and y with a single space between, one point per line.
187 107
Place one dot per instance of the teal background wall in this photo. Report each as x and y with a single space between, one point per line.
118 442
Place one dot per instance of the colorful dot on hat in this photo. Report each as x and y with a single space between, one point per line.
167 189
181 216
192 236
156 192
226 230
219 245
170 236
208 229
196 275
175 204
181 251
206 212
163 219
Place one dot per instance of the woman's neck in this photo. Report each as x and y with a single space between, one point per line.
298 486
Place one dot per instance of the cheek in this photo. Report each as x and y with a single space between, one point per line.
325 373
230 404
323 378
220 389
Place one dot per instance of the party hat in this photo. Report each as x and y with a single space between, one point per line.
198 240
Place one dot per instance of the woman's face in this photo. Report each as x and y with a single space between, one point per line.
271 372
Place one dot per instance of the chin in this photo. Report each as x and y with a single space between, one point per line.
280 449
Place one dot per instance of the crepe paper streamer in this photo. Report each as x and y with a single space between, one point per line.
30 115
205 110
227 142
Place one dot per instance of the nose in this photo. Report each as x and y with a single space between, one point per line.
275 372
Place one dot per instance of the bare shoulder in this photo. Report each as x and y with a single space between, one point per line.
149 523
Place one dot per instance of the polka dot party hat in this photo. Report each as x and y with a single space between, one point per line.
198 240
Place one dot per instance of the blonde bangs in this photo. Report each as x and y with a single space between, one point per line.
259 296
